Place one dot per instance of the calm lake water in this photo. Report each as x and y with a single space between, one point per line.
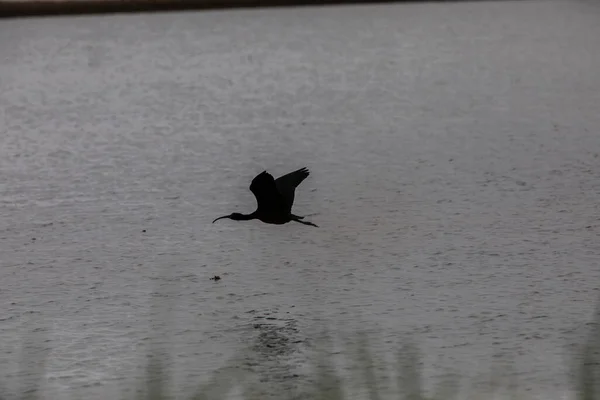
454 156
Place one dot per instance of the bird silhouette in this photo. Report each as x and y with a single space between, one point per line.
275 198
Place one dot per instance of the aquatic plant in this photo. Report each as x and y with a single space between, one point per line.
326 382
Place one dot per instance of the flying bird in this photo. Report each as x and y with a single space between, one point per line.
275 198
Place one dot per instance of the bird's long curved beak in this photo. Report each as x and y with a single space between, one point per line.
224 216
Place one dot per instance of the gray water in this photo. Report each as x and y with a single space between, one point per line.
454 156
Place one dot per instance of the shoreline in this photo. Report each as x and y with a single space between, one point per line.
46 8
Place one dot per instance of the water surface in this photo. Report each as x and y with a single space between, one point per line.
454 157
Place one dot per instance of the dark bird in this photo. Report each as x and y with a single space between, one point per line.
275 198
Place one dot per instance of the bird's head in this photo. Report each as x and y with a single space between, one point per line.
233 216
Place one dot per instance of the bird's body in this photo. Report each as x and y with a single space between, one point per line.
275 198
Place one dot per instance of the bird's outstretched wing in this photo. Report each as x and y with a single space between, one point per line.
287 184
267 196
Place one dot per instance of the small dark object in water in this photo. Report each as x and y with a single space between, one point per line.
274 198
215 278
143 230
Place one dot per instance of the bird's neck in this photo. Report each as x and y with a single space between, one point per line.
248 217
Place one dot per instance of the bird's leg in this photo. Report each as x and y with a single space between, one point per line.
310 215
299 219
